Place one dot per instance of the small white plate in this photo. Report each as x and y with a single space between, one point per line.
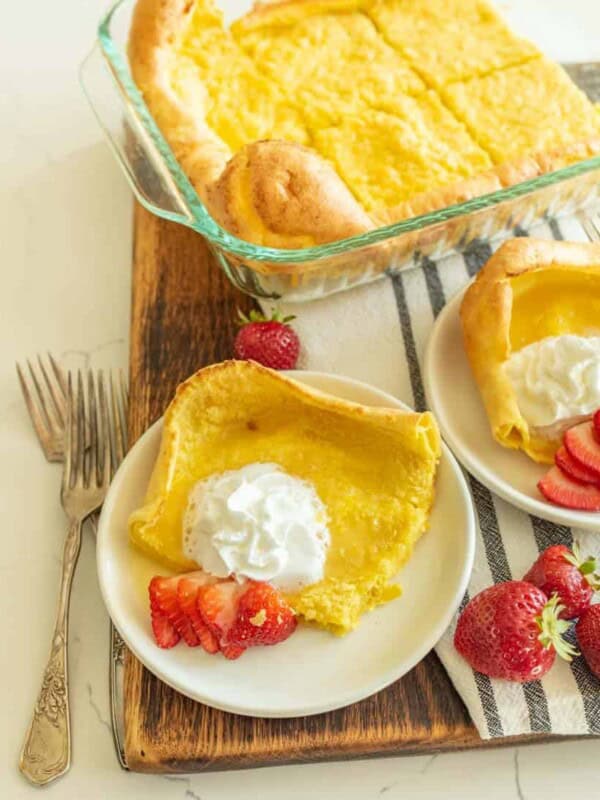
454 398
313 671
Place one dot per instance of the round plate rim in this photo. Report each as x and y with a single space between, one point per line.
538 508
391 676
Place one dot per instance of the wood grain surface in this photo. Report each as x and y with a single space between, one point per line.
183 311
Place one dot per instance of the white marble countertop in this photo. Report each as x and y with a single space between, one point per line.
66 240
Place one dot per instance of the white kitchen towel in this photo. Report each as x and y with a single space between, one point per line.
377 333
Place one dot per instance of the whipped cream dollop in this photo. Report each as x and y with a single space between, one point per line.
557 380
257 522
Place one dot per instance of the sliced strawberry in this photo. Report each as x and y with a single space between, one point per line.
582 445
163 598
233 651
164 632
187 596
560 489
574 469
263 617
217 604
596 422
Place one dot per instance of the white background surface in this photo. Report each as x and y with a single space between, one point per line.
65 239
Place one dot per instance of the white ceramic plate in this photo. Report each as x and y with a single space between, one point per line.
312 671
453 397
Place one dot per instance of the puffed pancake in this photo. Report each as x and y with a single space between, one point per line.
373 468
310 121
281 194
529 290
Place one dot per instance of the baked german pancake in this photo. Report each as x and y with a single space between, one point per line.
309 121
531 328
371 472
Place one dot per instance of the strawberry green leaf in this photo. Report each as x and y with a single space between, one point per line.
552 629
588 567
258 316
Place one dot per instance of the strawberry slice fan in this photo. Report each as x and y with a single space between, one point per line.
378 333
575 480
222 616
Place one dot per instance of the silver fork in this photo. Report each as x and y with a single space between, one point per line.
45 393
46 752
44 388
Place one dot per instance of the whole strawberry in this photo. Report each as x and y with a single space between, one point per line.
587 631
263 617
512 631
270 341
574 580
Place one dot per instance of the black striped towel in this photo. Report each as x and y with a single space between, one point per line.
377 333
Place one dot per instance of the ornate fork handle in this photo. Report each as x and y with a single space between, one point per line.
46 753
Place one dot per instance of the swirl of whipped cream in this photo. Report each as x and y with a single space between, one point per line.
257 522
556 380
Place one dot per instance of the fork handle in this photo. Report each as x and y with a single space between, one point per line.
46 752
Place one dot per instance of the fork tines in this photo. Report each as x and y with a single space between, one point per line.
45 391
86 425
102 403
96 431
119 403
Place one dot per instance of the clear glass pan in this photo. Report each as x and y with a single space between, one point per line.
298 275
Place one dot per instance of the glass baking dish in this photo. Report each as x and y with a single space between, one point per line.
299 275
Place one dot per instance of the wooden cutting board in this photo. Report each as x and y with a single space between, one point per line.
182 319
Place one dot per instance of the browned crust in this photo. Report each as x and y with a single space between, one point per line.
285 195
425 202
155 26
386 419
275 193
486 312
493 180
272 193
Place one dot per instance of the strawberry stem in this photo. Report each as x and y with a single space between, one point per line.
552 629
258 316
588 566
